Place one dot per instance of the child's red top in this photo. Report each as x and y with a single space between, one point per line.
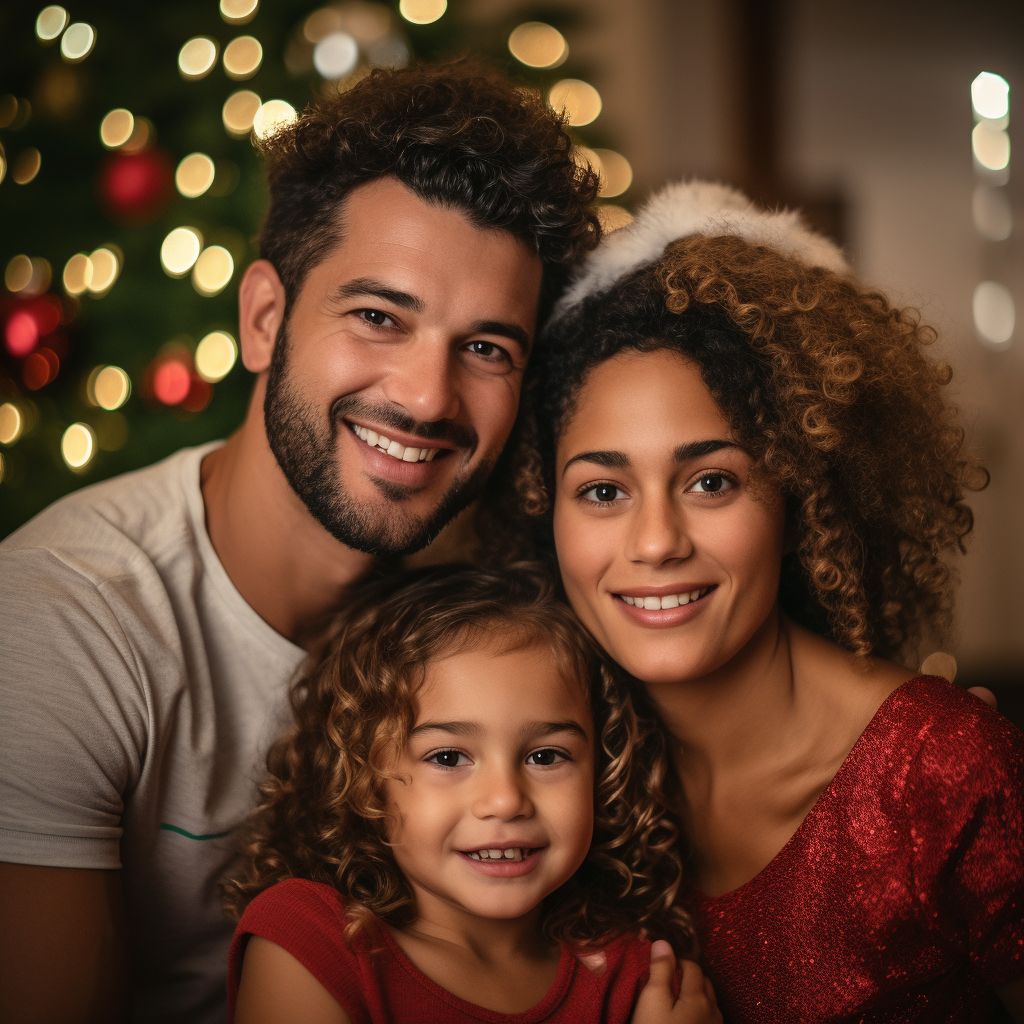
901 896
381 985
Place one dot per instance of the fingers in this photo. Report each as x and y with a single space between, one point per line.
692 983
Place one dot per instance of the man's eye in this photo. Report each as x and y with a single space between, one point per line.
603 494
448 758
375 317
545 757
488 350
712 483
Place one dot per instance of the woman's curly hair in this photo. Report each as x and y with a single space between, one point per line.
323 815
458 133
829 389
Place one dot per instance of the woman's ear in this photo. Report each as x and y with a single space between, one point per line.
261 309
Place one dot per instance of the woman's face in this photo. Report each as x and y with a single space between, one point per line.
668 551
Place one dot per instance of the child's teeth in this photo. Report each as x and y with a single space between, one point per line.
514 853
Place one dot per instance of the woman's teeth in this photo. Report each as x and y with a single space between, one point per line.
668 601
515 853
393 448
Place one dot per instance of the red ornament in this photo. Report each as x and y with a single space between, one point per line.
135 188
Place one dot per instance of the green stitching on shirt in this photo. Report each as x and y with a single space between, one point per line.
189 835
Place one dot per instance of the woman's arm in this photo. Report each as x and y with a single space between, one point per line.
276 989
1012 995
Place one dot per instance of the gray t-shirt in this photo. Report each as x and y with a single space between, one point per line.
138 696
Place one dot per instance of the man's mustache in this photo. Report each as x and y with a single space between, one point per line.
389 416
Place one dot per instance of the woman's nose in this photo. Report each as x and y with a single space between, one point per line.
501 793
423 380
658 533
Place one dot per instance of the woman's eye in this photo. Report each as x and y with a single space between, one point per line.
545 757
602 493
712 483
448 758
376 317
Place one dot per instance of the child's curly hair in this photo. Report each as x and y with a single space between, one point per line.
323 815
827 386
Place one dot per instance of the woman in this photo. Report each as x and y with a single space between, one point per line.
755 482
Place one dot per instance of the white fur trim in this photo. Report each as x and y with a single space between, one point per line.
697 207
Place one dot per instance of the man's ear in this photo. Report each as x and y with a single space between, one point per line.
261 309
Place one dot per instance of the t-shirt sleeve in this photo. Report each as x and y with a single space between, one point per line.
970 873
72 716
307 920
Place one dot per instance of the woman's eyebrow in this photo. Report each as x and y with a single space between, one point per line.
608 459
698 449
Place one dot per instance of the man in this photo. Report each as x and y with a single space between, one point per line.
418 227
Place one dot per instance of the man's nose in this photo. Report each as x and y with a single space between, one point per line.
501 793
422 380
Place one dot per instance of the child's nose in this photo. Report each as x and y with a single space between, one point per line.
501 794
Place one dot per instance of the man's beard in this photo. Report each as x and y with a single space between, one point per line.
307 454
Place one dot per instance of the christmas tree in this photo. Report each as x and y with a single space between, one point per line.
131 194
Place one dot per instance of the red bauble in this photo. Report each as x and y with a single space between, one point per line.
135 188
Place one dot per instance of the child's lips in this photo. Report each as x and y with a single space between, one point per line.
503 861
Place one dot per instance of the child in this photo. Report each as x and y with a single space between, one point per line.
431 824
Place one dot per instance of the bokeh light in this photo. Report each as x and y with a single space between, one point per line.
51 22
26 167
8 109
992 212
77 274
77 42
106 268
140 137
238 12
612 217
321 23
180 250
40 367
213 270
336 55
116 128
422 12
21 333
12 423
994 313
172 382
78 445
990 96
239 110
194 175
991 146
272 116
939 664
18 274
243 57
580 100
197 58
616 173
538 45
215 356
110 388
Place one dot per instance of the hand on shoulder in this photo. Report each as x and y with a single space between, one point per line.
658 1003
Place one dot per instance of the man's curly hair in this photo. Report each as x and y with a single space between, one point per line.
323 815
829 389
459 134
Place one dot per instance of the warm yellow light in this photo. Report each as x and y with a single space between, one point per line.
994 313
213 270
197 58
991 146
116 128
106 267
51 22
990 96
8 109
538 45
322 23
239 110
180 250
42 275
993 213
238 12
272 116
139 138
3 469
215 355
3 164
613 217
616 173
77 274
242 57
12 423
78 445
18 274
111 388
194 175
26 167
422 12
77 42
580 100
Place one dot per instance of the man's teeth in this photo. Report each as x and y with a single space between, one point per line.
393 448
514 853
668 601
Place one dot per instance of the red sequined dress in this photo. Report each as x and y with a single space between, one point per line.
901 896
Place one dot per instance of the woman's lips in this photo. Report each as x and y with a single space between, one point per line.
676 606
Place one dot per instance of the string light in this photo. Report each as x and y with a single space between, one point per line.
12 423
990 96
18 274
77 274
3 469
272 116
78 445
106 268
991 146
194 175
212 271
335 55
3 163
616 173
992 213
994 313
110 388
8 109
197 58
26 167
116 128
51 22
580 101
215 356
172 382
77 42
538 45
243 57
238 12
422 12
40 367
321 23
180 250
239 110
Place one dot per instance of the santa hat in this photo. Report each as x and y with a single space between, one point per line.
697 208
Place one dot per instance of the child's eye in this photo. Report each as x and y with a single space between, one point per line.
448 758
602 494
713 483
546 757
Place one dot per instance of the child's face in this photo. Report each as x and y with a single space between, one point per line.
500 758
669 555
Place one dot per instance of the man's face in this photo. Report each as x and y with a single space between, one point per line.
395 378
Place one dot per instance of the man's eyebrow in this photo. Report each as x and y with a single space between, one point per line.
608 459
504 330
369 286
698 449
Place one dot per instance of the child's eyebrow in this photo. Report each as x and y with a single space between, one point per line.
472 728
